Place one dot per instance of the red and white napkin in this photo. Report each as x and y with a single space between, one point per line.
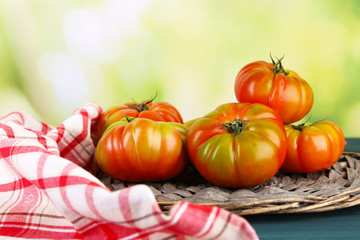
48 191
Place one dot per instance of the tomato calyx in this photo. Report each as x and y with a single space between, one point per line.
139 106
298 127
301 126
235 127
278 67
129 119
143 106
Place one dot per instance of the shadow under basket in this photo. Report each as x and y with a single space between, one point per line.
335 188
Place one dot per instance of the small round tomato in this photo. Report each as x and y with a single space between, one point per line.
270 84
237 144
143 150
313 148
158 111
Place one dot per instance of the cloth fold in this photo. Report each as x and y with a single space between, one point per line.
48 190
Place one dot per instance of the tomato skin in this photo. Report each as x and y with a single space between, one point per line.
315 148
190 122
235 161
158 111
143 150
289 95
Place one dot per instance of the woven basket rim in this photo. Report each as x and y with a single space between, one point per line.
335 188
311 204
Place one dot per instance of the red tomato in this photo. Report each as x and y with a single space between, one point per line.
270 84
142 150
313 148
159 111
237 144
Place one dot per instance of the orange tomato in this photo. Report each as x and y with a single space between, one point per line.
270 84
313 148
143 150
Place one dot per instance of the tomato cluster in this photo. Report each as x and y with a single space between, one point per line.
310 148
239 144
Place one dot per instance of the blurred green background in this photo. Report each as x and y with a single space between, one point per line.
55 56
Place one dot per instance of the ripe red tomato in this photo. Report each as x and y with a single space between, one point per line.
270 84
143 150
159 111
313 148
237 144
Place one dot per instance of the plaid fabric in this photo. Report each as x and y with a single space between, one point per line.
47 190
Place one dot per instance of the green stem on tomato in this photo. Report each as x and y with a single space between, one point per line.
143 106
236 127
278 67
298 127
301 126
129 119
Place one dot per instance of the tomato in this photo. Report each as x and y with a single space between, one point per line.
190 122
313 148
159 111
270 84
237 144
142 150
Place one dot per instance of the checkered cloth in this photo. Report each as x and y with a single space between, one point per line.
48 190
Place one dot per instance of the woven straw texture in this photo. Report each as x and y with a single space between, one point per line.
335 188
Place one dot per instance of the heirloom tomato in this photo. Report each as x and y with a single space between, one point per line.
158 111
237 144
270 84
313 148
142 150
190 122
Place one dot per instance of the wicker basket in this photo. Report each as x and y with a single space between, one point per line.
335 188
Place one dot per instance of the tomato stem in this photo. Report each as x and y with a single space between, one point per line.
301 126
143 106
129 119
151 99
278 67
235 127
298 127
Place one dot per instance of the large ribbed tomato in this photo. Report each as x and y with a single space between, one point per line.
157 111
143 150
237 144
270 84
313 148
